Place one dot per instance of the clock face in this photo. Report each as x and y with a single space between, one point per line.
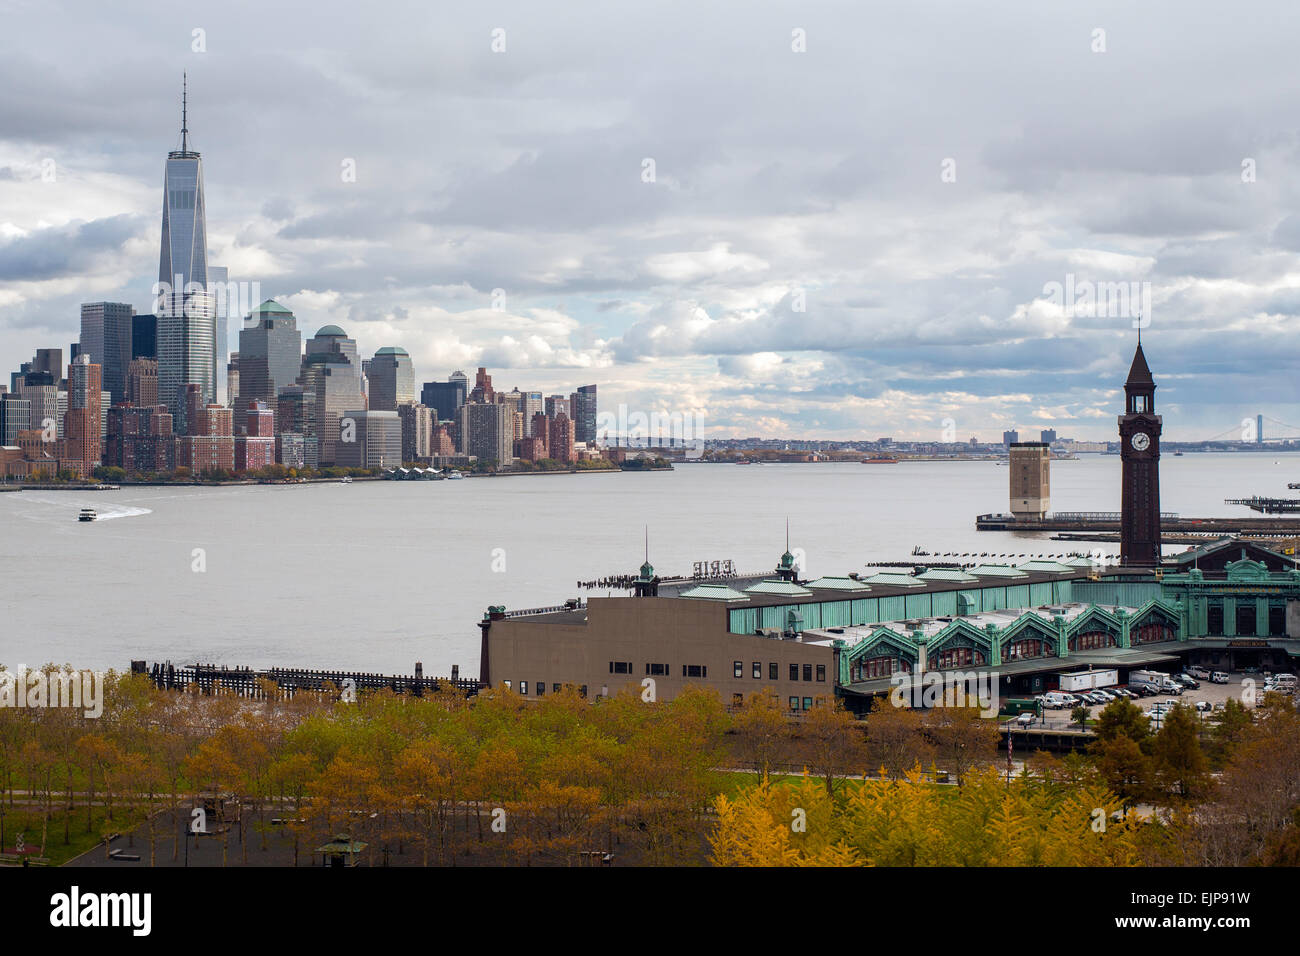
1140 441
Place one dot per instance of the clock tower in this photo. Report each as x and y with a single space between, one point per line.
1139 433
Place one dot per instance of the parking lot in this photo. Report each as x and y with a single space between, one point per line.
1215 694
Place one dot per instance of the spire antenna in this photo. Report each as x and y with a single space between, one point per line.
647 542
185 131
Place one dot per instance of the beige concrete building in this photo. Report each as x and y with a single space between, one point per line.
1030 479
656 644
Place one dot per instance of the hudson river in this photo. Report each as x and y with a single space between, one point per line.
374 576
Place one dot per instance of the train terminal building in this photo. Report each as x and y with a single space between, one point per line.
1227 605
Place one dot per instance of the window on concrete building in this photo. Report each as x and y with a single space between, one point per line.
794 671
736 700
794 703
541 688
1277 620
694 670
620 667
773 671
523 687
1214 617
582 691
821 673
758 670
738 669
555 688
1246 618
657 670
807 672
807 703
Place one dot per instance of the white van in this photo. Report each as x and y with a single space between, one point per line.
1218 677
1056 700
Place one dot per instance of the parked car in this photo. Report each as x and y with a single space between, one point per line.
1025 719
1218 677
1187 680
1106 695
1199 672
1203 706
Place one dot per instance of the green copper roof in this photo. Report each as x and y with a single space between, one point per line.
778 587
647 571
997 571
328 330
391 350
894 580
270 305
838 584
946 574
1053 567
714 592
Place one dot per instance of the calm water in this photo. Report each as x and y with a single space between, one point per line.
377 575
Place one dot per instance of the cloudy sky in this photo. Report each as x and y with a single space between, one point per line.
790 219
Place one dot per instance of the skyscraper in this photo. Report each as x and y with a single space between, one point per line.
270 356
445 398
186 336
218 286
392 379
583 412
106 330
487 432
84 425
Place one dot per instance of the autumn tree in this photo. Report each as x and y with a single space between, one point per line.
837 745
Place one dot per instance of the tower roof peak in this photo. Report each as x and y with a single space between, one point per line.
1139 372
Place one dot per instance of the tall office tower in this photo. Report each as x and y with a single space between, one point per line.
582 409
1047 435
106 330
270 356
1010 438
514 400
557 405
43 395
84 426
533 405
222 304
144 336
186 337
560 444
142 382
49 360
482 390
1030 479
331 340
445 398
335 386
376 440
487 432
417 431
1139 433
463 379
392 379
15 412
296 427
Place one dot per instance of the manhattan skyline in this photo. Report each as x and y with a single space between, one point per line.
925 295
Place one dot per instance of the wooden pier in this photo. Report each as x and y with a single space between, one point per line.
246 682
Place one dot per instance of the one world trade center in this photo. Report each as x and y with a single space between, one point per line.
184 305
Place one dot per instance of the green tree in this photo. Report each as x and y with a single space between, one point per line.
1180 763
